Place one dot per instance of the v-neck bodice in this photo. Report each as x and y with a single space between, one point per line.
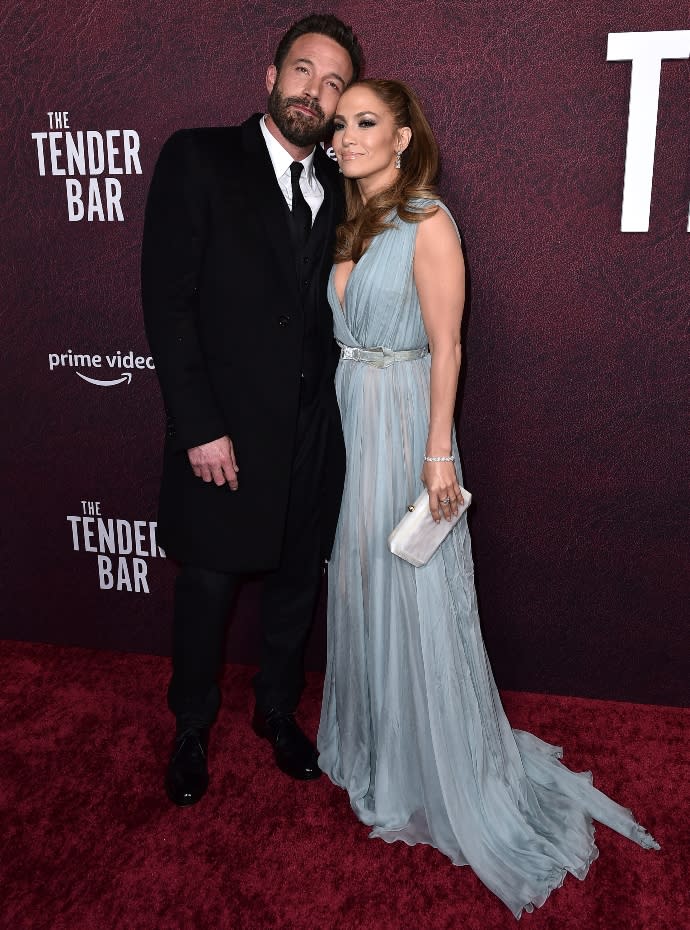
380 304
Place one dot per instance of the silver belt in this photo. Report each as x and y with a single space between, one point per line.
380 357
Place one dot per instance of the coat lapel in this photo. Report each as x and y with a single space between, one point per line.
270 214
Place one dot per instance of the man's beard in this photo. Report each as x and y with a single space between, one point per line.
295 126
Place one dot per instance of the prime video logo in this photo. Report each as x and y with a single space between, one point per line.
124 362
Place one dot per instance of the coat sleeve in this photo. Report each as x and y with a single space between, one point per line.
175 226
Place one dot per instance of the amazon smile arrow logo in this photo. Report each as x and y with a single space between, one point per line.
126 377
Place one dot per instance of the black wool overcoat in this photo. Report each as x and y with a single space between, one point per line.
225 322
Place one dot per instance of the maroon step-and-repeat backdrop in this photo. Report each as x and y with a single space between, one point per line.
575 375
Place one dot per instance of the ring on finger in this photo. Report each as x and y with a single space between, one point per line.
445 500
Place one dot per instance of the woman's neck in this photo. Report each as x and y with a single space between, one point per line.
370 187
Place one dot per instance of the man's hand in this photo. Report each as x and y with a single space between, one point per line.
215 461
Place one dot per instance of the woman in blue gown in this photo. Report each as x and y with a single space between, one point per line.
412 725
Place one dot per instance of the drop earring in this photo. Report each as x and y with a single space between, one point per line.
397 159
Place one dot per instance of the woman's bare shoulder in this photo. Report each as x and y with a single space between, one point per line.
437 226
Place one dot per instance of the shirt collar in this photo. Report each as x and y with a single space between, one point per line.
282 159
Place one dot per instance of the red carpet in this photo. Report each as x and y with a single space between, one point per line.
89 841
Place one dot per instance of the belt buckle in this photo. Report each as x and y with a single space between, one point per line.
387 358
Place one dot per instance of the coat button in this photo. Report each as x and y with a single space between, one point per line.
283 320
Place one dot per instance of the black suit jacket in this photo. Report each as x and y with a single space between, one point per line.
225 322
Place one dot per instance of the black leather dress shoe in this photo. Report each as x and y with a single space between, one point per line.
186 779
295 754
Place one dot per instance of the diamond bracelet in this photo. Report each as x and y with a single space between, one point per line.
439 458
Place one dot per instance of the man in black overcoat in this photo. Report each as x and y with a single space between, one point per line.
238 244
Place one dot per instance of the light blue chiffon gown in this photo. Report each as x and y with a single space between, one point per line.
412 725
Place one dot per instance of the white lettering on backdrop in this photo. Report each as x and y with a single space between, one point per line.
122 547
646 51
94 155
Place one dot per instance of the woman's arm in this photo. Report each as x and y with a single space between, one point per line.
439 273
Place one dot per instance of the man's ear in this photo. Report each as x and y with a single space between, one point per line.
271 75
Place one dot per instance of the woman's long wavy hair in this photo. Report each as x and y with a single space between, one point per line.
419 166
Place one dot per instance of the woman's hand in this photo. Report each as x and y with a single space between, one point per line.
441 481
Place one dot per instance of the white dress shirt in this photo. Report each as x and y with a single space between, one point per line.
281 161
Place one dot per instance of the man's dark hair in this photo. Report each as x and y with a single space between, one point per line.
324 24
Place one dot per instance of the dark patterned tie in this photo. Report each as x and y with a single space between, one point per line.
301 212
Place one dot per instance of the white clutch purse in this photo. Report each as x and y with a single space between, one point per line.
418 536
